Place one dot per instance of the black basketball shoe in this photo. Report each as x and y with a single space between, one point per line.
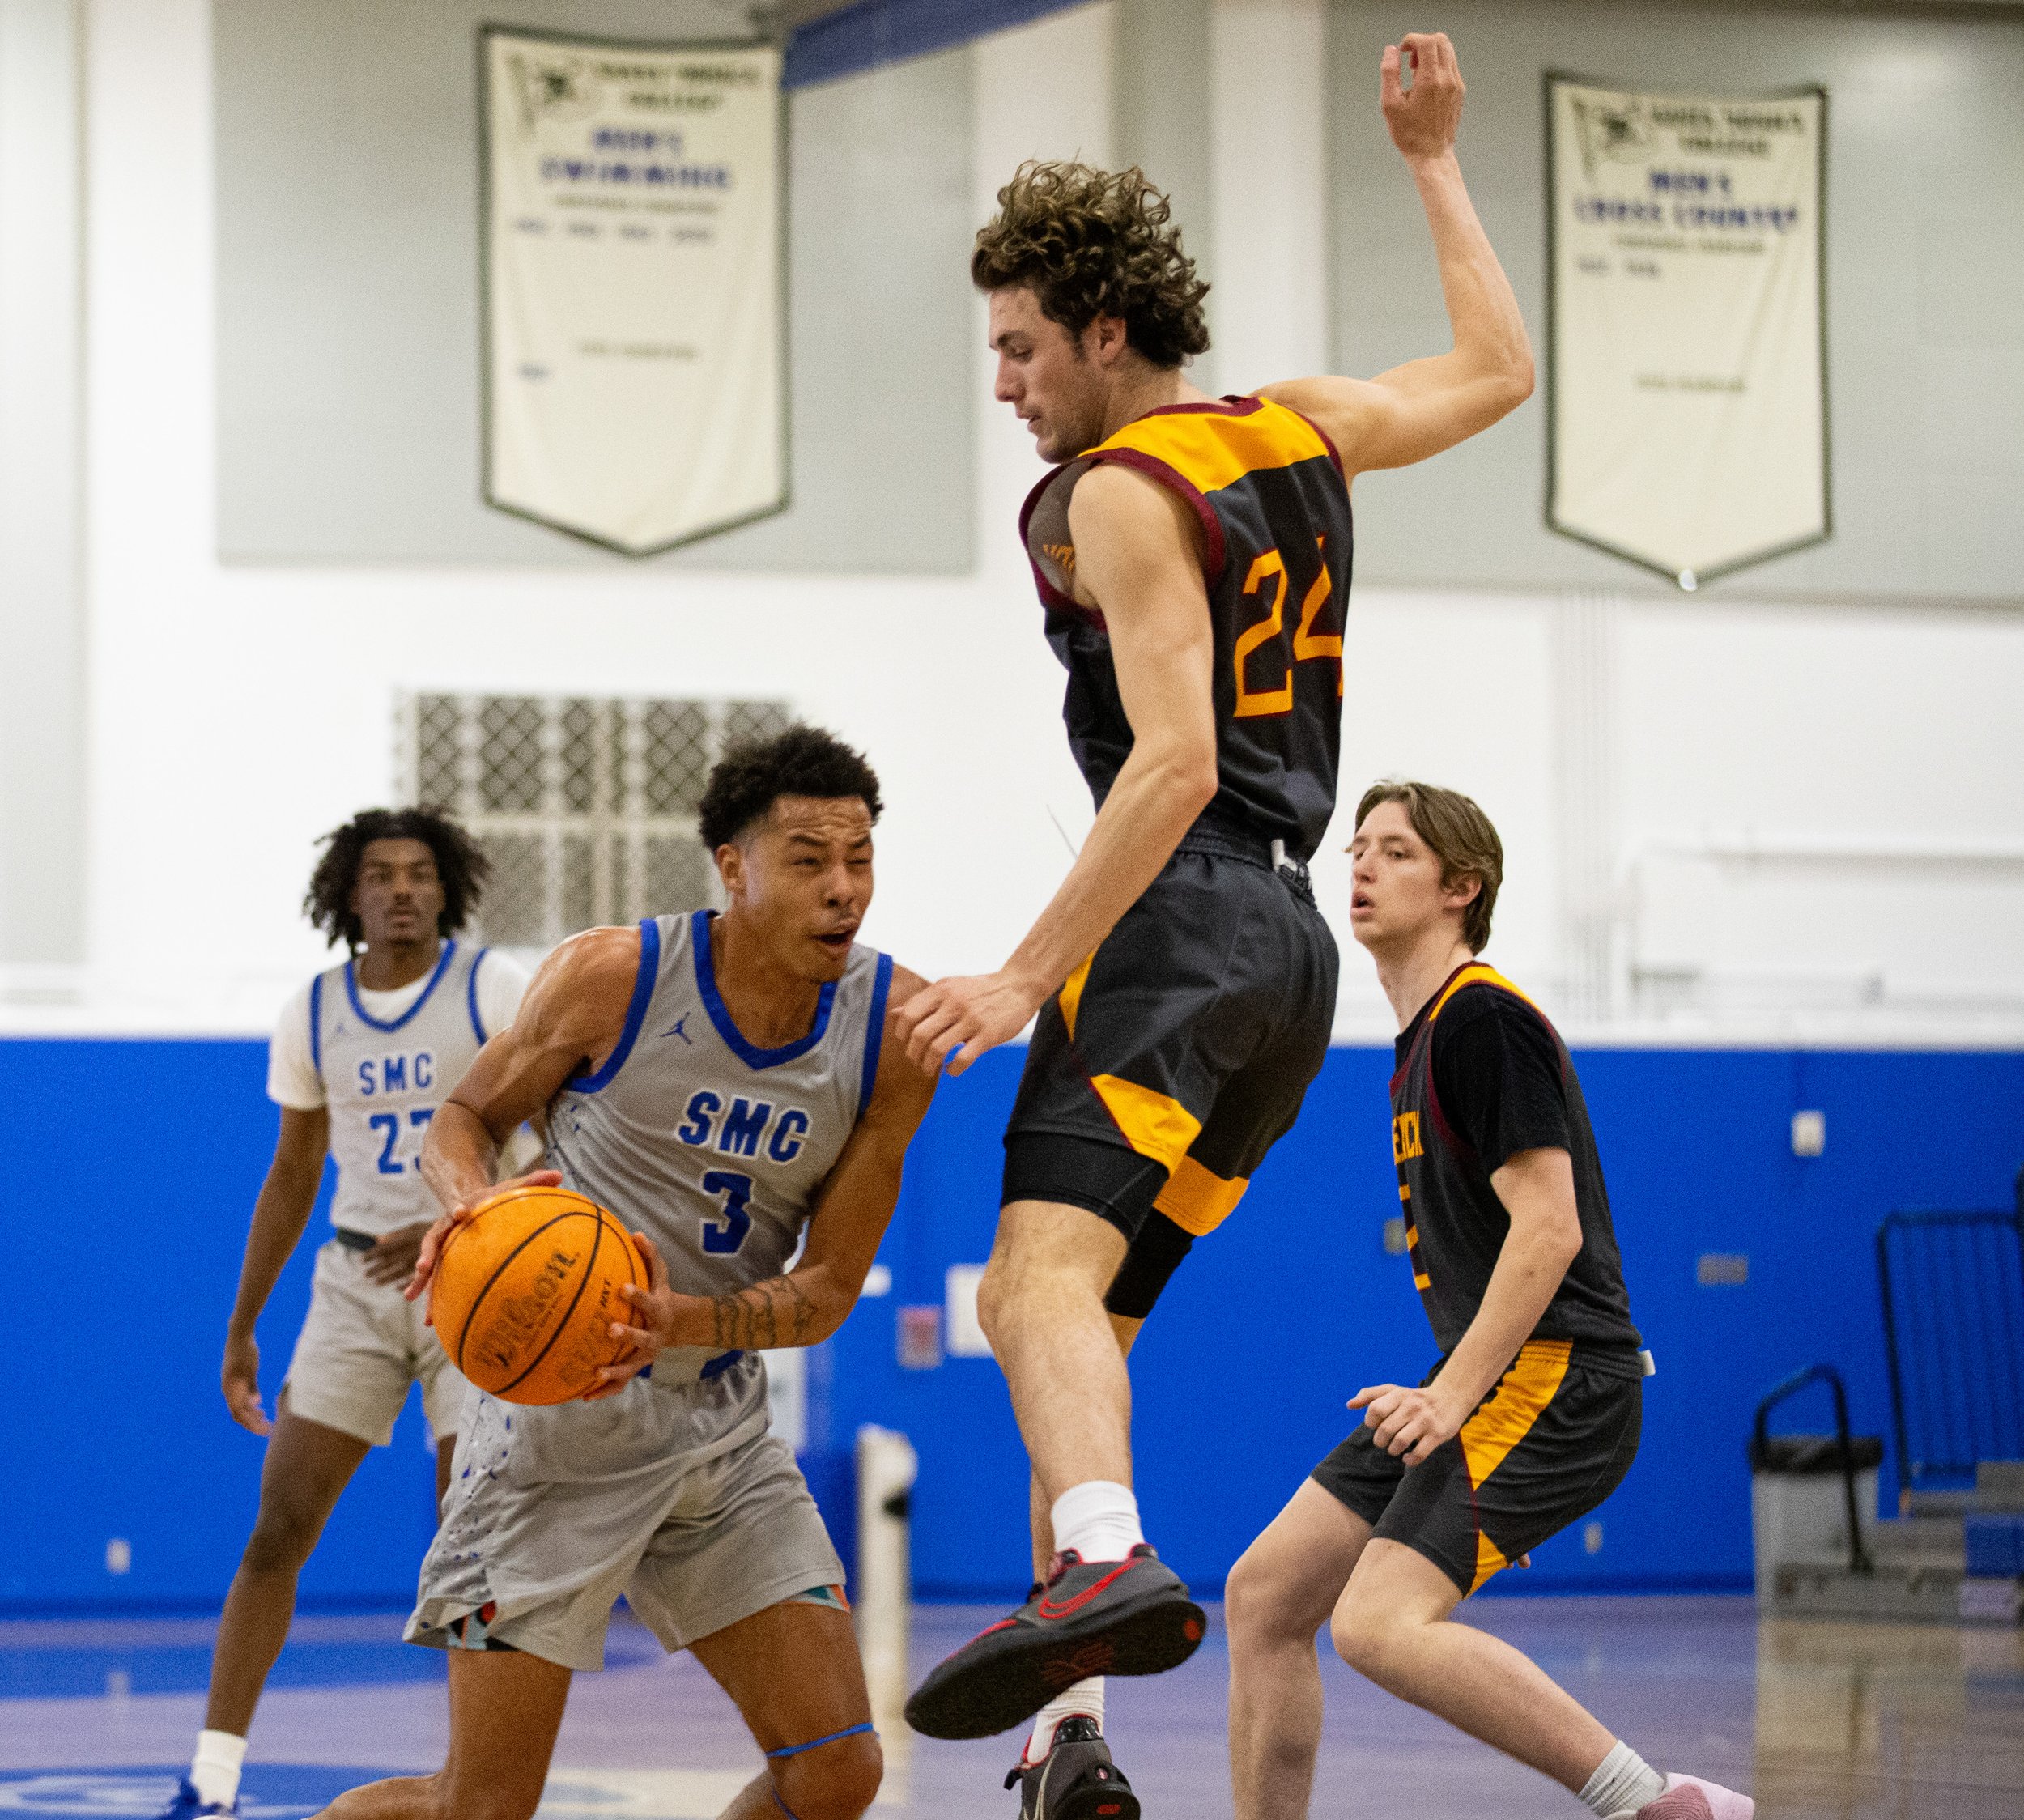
1075 1780
1129 1617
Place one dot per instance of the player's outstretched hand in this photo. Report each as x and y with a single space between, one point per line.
1422 119
658 1323
241 1377
1411 1422
952 1021
438 1234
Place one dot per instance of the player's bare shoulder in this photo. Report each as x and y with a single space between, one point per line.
580 992
1123 522
1349 412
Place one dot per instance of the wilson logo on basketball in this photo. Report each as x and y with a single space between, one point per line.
525 1292
516 1320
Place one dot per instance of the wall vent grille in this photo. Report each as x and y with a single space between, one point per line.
585 805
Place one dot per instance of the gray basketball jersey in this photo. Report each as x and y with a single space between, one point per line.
383 1081
711 1146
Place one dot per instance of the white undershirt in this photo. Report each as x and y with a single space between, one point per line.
292 1079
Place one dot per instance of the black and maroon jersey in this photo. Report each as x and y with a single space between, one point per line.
1275 509
1455 1224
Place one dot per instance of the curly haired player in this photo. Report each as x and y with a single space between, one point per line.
362 1059
1192 554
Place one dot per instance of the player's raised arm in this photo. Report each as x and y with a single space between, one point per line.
572 1015
804 1306
1426 405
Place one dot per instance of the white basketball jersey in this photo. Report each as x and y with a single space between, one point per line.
714 1147
383 1081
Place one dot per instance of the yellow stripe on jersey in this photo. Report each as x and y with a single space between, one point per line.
1156 1124
1521 1395
1212 450
1477 975
1072 993
1198 1201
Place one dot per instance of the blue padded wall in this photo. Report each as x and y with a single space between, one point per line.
1240 1378
151 1151
144 1158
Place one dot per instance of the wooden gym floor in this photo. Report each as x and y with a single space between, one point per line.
1817 1720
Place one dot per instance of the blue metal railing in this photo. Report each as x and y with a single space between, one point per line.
1953 1290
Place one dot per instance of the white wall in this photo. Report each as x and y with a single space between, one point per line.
236 714
41 511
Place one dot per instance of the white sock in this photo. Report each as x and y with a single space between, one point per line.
1084 1700
213 1773
1622 1783
1098 1518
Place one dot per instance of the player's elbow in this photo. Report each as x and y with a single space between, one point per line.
1555 1236
827 1304
1509 383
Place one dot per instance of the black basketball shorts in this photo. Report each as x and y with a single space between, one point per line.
1553 1438
1175 1058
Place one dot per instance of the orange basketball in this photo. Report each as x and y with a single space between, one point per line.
526 1291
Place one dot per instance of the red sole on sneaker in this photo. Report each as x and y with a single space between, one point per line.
1026 1671
1093 1804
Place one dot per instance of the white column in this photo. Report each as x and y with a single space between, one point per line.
1268 312
1585 692
1042 91
42 835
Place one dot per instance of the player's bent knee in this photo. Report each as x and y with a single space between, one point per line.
283 1535
839 1782
1263 1602
1365 1637
991 1299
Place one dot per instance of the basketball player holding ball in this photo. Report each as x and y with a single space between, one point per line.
724 1085
362 1060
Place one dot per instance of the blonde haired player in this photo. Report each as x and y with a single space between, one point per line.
1531 1418
361 1059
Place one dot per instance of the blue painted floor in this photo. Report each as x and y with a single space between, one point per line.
118 1657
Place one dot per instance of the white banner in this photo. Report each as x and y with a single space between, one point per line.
1688 393
635 392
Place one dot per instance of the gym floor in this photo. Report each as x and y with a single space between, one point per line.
1817 1718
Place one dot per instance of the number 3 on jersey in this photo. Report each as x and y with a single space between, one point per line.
1306 642
722 1240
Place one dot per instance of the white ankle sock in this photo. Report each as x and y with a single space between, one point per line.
213 1773
1622 1783
1098 1518
1084 1700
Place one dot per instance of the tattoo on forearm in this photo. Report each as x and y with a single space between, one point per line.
776 1313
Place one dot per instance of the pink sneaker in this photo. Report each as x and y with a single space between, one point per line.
1688 1797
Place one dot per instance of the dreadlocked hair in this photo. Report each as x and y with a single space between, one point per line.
806 761
1089 242
460 863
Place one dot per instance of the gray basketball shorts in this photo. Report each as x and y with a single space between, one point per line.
361 1346
537 1545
